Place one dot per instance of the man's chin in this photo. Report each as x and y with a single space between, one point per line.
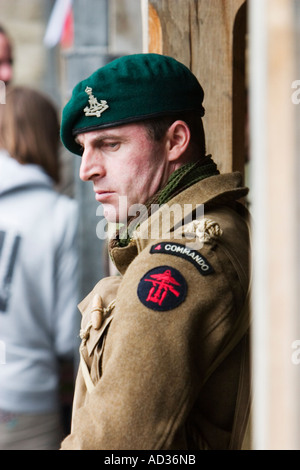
113 215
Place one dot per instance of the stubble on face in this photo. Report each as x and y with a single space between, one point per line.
126 166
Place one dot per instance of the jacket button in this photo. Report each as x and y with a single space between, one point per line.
97 312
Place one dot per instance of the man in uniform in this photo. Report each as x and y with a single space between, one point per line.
165 344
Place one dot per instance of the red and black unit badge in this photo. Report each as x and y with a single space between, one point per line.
162 288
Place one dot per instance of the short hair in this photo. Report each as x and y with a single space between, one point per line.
157 128
29 129
5 33
3 30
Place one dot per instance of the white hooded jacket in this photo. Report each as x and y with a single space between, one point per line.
38 286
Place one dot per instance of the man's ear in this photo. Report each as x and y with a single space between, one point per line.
178 139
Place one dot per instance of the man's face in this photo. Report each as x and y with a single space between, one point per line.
6 66
123 161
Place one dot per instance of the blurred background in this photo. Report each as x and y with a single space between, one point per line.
246 55
56 44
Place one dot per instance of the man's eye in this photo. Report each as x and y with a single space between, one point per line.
112 145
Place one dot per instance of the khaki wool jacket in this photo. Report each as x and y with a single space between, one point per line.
165 345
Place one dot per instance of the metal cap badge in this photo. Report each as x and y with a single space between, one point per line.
95 108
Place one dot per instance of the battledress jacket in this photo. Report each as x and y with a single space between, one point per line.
164 353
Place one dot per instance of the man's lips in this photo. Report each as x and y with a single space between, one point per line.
101 195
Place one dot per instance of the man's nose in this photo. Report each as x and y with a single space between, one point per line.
90 167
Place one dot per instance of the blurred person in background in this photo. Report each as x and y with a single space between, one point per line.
6 57
38 266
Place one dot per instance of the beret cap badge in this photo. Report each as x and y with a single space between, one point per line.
95 108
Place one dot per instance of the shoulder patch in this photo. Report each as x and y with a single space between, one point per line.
177 249
162 288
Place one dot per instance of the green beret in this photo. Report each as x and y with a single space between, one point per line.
129 89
